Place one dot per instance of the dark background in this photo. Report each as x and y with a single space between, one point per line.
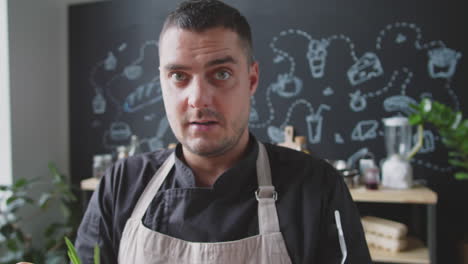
113 59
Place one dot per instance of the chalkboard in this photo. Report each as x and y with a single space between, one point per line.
332 69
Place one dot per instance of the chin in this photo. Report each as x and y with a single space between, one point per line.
207 149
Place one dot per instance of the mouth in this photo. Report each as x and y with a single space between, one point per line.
203 125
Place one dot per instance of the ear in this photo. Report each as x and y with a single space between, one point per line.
253 77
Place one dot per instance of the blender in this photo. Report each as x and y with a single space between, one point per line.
397 172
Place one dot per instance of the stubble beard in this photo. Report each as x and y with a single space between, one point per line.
223 145
218 149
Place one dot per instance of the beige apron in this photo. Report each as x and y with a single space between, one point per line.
141 245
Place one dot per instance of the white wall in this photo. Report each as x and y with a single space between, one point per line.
38 41
5 132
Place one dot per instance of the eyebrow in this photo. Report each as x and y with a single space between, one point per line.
227 59
177 67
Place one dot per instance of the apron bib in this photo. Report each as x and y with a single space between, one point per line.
141 245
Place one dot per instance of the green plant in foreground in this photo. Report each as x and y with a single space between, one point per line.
74 256
18 209
452 128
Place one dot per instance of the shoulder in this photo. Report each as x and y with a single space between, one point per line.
130 174
300 167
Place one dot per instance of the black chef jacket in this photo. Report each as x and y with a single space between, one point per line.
309 191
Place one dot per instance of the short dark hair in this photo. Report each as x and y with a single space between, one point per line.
200 15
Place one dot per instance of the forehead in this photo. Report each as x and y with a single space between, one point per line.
179 44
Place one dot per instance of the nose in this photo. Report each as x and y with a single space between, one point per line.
200 94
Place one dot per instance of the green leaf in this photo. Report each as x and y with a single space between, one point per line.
11 199
12 245
44 200
72 252
20 183
458 163
415 119
97 258
461 175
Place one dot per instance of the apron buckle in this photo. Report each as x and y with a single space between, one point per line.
274 195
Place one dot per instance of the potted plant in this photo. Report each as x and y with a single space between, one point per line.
452 128
454 132
18 208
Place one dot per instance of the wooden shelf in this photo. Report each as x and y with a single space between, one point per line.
416 195
89 184
416 254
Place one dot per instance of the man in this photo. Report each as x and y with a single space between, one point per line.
221 196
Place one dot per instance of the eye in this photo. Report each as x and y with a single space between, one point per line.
222 75
178 76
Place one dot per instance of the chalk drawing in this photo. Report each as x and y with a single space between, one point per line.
317 55
271 110
348 41
149 117
432 166
120 131
351 162
366 68
411 26
143 96
99 104
156 142
365 130
442 62
400 38
399 103
426 95
338 139
110 62
328 91
314 124
357 102
133 72
287 86
428 142
122 47
276 134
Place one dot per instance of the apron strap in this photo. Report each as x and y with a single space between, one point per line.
266 195
152 187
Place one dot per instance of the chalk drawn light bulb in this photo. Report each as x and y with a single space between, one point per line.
317 55
366 68
442 62
99 104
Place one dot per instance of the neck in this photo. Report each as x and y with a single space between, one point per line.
208 169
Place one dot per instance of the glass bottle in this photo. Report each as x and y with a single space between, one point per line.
134 147
302 142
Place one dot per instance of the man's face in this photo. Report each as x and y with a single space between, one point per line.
206 83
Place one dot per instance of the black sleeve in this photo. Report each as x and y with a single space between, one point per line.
339 199
97 224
